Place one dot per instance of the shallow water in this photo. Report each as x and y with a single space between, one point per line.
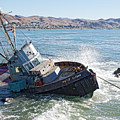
97 49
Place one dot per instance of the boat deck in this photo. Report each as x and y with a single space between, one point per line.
68 69
65 73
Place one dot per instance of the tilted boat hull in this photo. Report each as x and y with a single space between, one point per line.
80 84
78 87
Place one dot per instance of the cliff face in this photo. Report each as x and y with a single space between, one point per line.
62 23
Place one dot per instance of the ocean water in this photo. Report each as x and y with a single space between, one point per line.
97 49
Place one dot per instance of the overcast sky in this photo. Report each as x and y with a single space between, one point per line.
87 9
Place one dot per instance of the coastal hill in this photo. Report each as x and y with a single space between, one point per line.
40 22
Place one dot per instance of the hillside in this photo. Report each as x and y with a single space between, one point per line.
40 22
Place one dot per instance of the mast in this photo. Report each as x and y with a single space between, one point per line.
6 33
14 37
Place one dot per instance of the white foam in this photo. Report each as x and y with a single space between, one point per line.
1 115
53 114
62 110
91 57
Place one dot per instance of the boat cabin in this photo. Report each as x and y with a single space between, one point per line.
28 64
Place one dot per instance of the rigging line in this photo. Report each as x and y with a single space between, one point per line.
7 21
3 56
24 34
13 29
6 41
109 82
6 33
18 29
7 51
21 30
6 55
7 37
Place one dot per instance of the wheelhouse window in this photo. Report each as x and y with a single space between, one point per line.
19 69
28 66
35 62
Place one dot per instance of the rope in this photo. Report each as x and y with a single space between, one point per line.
21 30
109 82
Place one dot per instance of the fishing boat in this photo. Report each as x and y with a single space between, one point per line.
30 73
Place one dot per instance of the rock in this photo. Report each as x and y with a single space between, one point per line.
117 72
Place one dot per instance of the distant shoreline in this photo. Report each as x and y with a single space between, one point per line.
39 22
62 29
